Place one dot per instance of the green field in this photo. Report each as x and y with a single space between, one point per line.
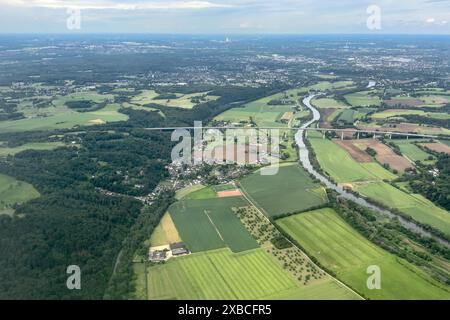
327 103
349 116
259 111
263 113
181 101
5 151
410 150
388 114
205 193
327 85
363 99
324 235
339 164
414 205
211 224
63 118
140 285
12 192
222 275
290 190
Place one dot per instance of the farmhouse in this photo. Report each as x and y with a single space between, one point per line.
157 255
178 249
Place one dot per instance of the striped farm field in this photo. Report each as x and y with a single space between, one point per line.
340 248
222 275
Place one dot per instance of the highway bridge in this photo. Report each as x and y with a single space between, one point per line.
340 132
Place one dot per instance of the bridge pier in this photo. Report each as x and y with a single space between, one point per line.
357 135
323 134
342 135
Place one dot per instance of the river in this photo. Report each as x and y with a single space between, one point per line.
304 159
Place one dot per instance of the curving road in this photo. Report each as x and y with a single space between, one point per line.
304 159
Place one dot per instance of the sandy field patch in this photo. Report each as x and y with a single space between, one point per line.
437 147
384 154
170 230
404 102
354 151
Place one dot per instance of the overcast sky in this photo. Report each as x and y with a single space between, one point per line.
226 16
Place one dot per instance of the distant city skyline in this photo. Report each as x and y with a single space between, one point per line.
226 16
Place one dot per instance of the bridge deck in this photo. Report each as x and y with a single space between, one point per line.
374 132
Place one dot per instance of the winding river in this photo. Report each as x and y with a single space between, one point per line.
304 159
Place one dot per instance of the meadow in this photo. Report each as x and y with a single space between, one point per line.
64 118
181 101
416 206
337 246
339 164
211 224
326 103
13 191
327 85
349 116
410 150
5 151
223 275
290 190
363 99
396 113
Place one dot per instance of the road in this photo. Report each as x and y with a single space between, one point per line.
304 159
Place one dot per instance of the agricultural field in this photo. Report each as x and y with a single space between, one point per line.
349 116
260 112
337 246
12 192
384 154
165 232
205 193
5 151
403 127
411 151
185 101
63 118
180 194
414 205
340 165
401 112
290 190
363 99
329 103
423 101
211 224
220 274
327 85
437 147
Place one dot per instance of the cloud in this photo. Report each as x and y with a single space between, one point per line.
122 5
